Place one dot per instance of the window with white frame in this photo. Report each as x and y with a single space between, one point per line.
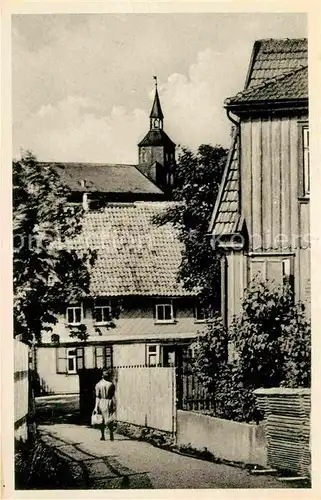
102 313
152 355
164 313
70 359
74 315
306 160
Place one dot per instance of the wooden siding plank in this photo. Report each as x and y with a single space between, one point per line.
246 176
276 185
294 183
266 184
285 185
256 166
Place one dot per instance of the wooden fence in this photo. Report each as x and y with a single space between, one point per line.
191 393
147 396
23 394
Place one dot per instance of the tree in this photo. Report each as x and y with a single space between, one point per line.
47 271
197 181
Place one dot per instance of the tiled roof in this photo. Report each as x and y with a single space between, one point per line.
105 178
226 214
156 138
134 255
289 86
273 57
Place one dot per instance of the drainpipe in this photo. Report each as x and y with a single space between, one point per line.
236 123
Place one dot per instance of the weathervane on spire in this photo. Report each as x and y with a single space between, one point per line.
155 78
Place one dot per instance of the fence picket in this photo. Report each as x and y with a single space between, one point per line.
146 396
22 392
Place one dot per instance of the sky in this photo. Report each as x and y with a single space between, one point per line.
82 84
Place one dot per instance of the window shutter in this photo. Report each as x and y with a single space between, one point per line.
99 357
80 358
109 356
61 359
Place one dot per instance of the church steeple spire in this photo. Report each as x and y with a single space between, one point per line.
156 115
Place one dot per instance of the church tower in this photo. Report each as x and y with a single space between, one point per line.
156 152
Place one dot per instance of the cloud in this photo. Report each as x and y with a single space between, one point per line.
194 104
74 129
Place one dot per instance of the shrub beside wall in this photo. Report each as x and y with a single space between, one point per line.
39 467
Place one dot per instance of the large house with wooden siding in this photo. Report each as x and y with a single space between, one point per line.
261 221
135 273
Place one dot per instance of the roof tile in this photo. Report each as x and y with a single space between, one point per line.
274 56
291 85
107 177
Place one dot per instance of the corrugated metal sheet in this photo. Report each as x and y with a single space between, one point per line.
287 416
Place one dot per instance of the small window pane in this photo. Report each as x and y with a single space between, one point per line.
99 351
106 314
152 348
160 313
70 315
152 360
98 314
71 364
168 312
77 315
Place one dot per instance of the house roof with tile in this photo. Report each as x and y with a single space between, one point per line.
134 255
278 71
273 57
289 86
104 178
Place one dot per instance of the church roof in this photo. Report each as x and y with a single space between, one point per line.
135 256
156 138
104 178
156 111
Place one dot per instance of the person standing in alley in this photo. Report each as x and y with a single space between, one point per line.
105 403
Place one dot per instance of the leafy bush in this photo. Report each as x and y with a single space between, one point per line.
272 347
